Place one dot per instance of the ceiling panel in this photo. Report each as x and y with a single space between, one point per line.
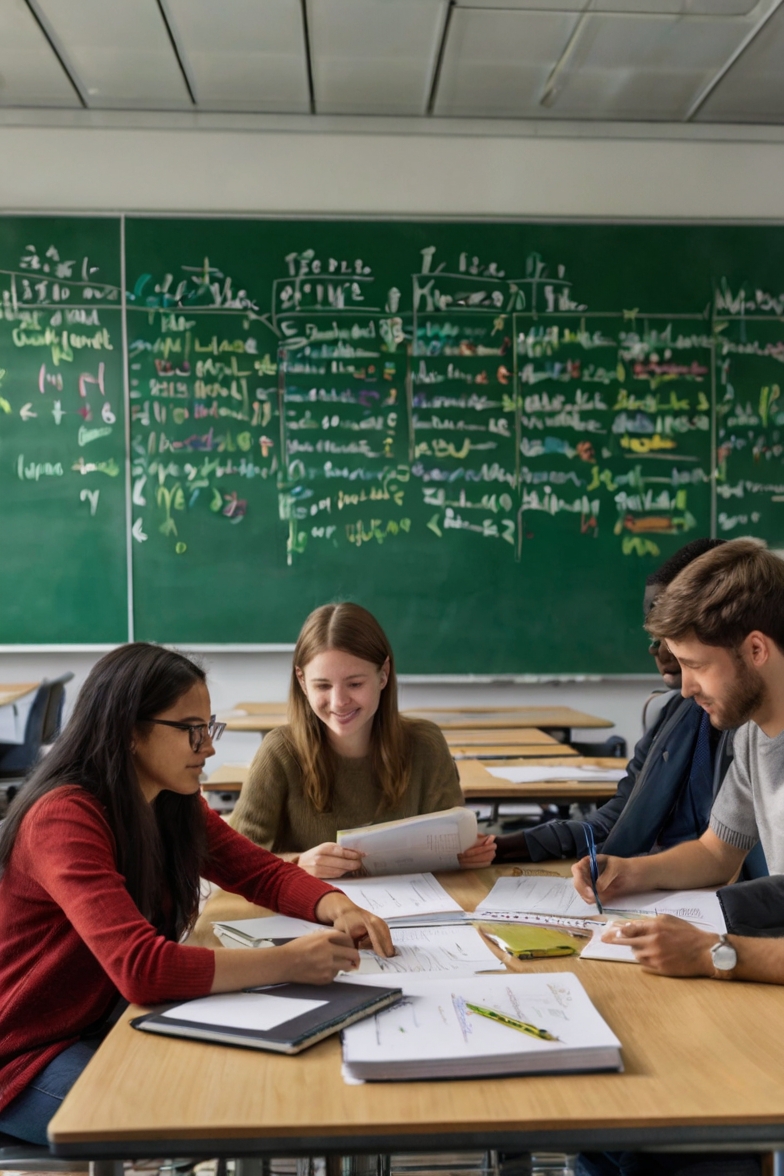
374 56
714 8
30 74
611 66
120 51
244 54
752 90
497 63
642 67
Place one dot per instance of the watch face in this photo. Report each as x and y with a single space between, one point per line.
724 957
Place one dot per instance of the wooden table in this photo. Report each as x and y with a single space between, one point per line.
11 692
484 736
702 1068
507 751
560 719
477 782
262 724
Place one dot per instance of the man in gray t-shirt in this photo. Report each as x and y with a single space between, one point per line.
723 618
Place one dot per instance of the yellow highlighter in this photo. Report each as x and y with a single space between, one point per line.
512 1022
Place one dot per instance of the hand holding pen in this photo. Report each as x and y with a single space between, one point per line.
593 866
613 877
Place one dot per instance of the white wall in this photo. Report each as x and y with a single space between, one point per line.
286 166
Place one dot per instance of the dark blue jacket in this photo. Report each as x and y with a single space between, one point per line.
632 820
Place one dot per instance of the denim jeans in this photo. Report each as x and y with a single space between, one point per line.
28 1115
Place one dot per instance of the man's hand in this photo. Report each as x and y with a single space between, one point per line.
365 929
330 860
617 876
669 946
481 853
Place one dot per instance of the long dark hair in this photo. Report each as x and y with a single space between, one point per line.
160 846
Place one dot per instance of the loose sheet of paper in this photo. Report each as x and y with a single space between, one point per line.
536 896
243 1010
526 775
402 896
428 842
458 950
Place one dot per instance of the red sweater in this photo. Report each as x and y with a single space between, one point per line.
72 936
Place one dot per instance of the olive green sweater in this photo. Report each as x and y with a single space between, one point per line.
274 811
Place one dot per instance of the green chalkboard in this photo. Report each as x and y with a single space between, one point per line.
489 433
62 432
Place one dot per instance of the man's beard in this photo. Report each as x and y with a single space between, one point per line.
743 699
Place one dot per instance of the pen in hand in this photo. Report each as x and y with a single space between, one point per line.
593 864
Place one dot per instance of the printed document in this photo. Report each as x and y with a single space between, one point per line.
471 1026
428 842
403 897
458 950
528 775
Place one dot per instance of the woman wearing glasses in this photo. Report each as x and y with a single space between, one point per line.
100 860
347 757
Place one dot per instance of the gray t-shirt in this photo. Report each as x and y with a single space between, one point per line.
750 805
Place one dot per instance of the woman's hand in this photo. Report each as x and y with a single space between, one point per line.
365 929
317 958
669 946
481 853
330 860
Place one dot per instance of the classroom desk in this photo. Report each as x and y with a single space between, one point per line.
483 736
702 1068
478 784
11 692
547 718
260 723
507 751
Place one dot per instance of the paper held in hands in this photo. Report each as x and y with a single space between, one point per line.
428 842
482 1026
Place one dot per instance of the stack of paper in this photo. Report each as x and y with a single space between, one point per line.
428 842
482 1026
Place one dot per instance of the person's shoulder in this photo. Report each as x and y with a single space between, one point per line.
424 736
69 804
278 748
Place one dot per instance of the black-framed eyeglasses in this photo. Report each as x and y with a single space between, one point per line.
197 732
654 644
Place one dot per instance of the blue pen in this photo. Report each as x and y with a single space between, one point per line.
594 865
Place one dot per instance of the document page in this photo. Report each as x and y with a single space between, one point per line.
458 950
428 842
403 896
535 896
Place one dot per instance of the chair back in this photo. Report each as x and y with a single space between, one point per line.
41 728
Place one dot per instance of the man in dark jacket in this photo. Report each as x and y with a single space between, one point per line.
671 780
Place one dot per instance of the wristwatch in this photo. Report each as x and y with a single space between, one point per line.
724 957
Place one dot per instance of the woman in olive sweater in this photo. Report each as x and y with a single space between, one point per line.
348 757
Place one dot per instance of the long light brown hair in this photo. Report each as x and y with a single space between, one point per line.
351 629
